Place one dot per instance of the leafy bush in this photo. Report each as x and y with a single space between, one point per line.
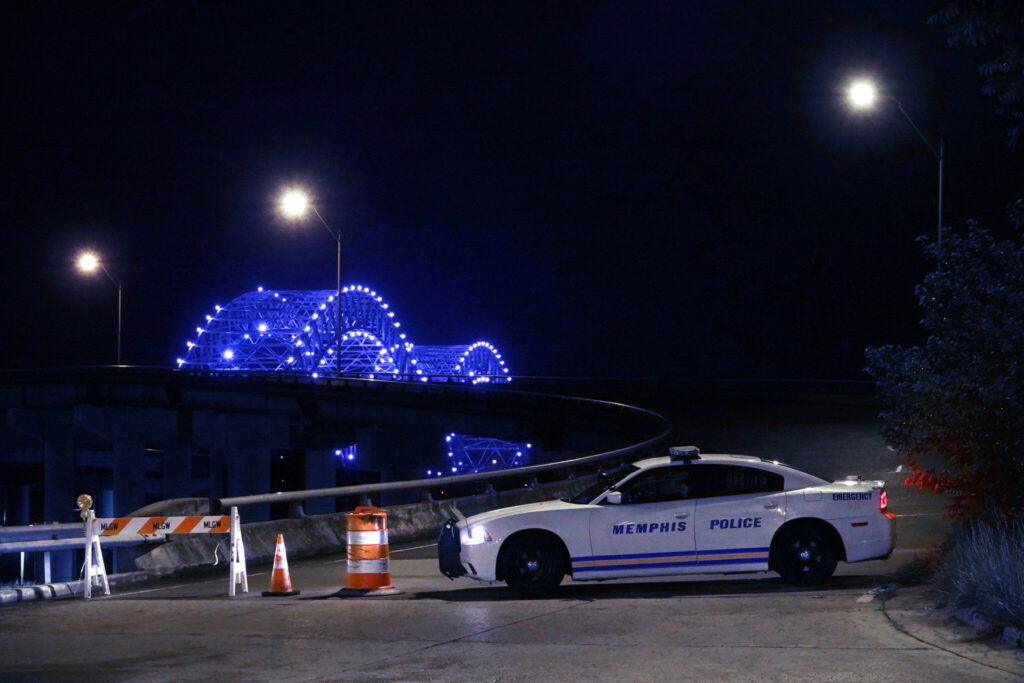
961 396
983 568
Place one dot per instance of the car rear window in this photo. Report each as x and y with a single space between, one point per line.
713 480
797 469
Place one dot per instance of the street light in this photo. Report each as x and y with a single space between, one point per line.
294 204
89 262
862 94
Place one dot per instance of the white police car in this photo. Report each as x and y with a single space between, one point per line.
684 513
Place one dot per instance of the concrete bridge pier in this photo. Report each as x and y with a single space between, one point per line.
129 431
129 473
177 470
395 451
243 449
57 433
16 504
321 473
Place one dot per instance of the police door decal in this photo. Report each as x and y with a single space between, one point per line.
650 532
738 512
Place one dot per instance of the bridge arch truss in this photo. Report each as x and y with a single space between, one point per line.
297 331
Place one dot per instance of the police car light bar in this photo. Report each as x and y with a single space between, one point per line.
684 453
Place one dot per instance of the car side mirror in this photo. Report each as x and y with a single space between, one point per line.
614 498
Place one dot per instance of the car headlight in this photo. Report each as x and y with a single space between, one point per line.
475 535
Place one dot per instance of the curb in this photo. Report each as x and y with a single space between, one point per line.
61 591
66 590
44 592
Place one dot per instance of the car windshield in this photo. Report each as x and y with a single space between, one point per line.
605 480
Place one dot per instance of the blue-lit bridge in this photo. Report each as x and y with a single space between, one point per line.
298 331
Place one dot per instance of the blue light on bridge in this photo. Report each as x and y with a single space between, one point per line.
469 454
297 333
346 453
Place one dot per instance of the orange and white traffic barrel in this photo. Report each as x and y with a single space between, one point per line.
369 568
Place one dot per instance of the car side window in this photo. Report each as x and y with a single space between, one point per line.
657 486
709 481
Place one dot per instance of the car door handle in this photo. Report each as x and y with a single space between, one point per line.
682 515
770 506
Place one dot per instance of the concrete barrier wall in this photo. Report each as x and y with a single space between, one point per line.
325 534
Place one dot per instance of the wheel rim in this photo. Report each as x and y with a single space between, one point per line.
807 554
531 565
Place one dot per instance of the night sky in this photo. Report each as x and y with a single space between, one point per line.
641 189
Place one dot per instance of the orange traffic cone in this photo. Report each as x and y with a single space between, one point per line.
280 581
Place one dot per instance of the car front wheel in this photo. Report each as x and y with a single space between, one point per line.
805 555
533 564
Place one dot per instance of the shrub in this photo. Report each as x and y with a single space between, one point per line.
961 396
983 567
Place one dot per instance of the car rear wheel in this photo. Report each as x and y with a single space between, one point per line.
533 564
805 555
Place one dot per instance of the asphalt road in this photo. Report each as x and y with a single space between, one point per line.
699 628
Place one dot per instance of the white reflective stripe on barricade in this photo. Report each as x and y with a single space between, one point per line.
369 566
156 526
368 537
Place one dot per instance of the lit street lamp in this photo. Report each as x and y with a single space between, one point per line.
862 94
88 263
294 204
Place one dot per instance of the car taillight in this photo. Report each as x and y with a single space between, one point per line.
883 501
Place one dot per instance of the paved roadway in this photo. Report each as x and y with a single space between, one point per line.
702 628
699 628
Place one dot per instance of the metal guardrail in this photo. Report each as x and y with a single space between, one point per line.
41 537
72 543
40 532
57 536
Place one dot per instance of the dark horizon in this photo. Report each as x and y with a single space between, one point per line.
600 190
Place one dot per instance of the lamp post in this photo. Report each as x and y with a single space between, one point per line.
294 204
88 263
862 94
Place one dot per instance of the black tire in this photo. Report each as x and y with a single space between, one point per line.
805 555
533 564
